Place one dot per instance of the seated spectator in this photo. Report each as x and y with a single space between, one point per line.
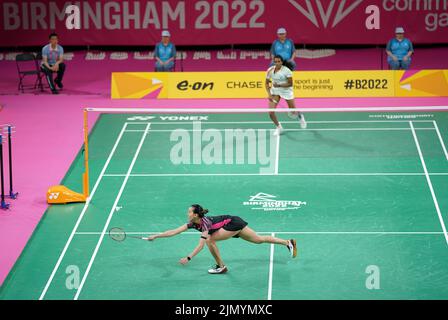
53 62
399 51
165 53
285 48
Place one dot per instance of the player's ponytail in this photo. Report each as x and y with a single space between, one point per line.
288 65
201 212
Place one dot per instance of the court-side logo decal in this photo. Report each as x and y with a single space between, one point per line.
169 118
325 15
268 202
141 118
184 118
53 195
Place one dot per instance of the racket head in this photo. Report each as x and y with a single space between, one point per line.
117 234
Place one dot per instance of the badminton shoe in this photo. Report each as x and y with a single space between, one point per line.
217 270
278 131
302 121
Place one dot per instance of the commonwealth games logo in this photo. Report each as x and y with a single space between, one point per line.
269 202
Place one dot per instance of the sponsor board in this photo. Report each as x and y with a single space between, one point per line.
307 84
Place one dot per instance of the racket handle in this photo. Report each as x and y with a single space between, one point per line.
141 238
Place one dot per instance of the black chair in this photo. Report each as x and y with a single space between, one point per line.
27 66
41 73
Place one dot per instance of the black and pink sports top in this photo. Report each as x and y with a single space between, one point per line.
211 223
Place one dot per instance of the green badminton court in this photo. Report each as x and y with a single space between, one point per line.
365 195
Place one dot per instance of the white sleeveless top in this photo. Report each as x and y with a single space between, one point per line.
280 77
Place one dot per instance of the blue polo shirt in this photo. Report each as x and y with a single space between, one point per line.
400 48
52 55
165 52
285 49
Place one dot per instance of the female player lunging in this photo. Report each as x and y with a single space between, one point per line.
279 85
217 228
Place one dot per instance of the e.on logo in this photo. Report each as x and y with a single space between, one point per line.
196 86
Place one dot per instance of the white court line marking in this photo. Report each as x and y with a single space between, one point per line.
440 139
69 240
300 232
81 285
271 269
427 109
270 122
277 155
428 180
286 130
272 174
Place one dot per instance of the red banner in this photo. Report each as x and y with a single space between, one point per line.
200 22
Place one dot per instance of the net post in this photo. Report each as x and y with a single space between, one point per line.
85 175
12 194
3 204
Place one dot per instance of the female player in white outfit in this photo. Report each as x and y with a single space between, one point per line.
279 85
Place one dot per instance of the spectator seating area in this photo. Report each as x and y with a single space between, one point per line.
88 72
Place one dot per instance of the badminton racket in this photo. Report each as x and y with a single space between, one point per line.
120 235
